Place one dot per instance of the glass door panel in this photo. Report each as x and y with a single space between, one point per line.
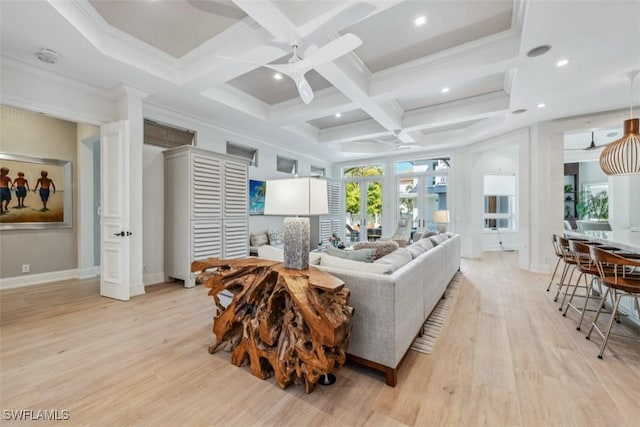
354 215
373 209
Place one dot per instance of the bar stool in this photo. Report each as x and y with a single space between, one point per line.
569 267
587 267
621 279
558 252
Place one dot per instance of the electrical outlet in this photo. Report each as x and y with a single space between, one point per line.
25 268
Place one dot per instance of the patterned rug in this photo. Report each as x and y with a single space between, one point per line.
438 317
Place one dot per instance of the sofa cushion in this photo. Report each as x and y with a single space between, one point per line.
424 235
362 255
382 248
347 264
275 237
419 247
437 239
259 239
277 254
397 258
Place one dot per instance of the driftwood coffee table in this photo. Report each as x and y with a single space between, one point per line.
294 322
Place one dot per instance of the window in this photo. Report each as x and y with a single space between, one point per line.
286 165
166 136
499 202
318 171
422 190
244 152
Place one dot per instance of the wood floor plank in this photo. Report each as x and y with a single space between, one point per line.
506 356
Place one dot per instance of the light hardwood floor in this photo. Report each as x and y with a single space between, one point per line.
506 356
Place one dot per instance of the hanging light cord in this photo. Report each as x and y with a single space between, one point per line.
632 76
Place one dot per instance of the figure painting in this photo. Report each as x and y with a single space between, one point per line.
32 192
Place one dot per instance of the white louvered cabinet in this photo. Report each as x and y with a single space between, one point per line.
323 226
206 213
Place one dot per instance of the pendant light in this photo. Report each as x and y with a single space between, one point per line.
622 157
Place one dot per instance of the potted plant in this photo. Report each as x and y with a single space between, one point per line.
593 207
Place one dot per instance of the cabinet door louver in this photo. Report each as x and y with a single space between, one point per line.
235 188
207 187
235 238
207 239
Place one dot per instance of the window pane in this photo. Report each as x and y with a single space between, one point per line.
286 165
366 170
423 165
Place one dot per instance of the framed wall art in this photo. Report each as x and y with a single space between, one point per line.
35 192
257 191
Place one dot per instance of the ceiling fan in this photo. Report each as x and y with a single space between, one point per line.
272 19
298 66
591 146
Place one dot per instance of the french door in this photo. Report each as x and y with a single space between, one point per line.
363 201
419 196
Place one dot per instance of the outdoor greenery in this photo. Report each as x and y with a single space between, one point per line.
593 206
374 194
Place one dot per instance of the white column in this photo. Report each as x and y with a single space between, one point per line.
129 107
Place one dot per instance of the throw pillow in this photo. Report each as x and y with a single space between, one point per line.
437 239
396 258
362 255
382 248
275 237
416 249
259 239
427 234
347 264
425 243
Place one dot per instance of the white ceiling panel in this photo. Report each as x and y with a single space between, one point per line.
345 118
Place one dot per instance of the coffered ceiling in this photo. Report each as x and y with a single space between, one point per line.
453 80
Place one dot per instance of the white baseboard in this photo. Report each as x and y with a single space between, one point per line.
88 273
36 279
153 279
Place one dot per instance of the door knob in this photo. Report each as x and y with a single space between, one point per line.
119 234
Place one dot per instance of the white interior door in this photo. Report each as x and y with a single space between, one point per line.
115 219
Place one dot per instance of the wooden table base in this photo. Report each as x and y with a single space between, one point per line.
295 323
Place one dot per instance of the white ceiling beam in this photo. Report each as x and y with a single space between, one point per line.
239 100
351 77
325 103
474 108
471 61
305 130
365 129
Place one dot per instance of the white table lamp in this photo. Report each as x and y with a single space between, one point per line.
441 218
296 196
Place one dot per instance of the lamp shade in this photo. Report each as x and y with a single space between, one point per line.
441 217
296 196
622 157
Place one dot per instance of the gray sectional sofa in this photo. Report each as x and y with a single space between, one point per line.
392 303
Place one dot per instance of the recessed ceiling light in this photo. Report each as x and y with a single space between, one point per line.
538 51
520 111
48 56
562 62
338 115
420 20
277 76
542 105
445 90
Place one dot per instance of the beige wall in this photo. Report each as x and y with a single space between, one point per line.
49 250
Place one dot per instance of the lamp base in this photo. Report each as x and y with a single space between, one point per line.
296 243
442 228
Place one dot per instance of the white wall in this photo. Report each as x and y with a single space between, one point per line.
153 215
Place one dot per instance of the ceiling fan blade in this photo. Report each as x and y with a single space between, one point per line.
268 16
304 89
314 57
285 69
